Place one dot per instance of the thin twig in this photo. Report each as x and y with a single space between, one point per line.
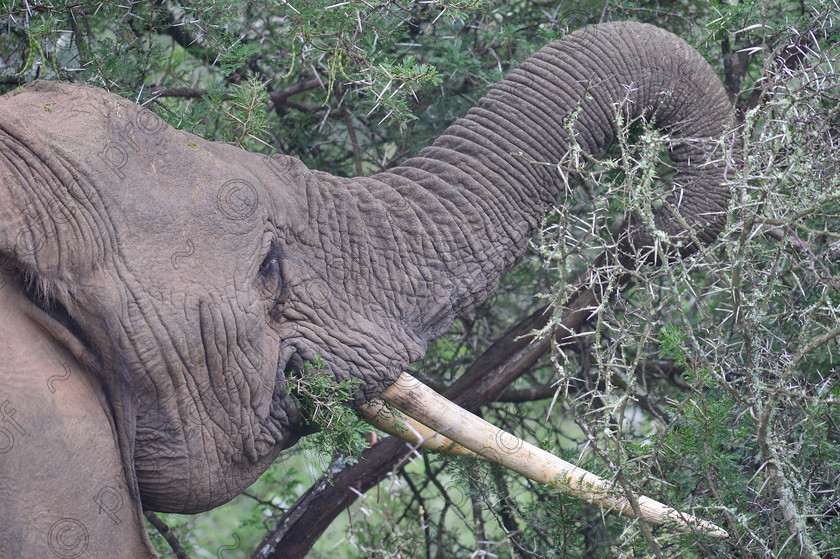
167 534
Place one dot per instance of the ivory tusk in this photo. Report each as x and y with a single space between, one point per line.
413 432
417 400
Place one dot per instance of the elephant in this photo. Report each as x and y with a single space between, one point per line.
160 292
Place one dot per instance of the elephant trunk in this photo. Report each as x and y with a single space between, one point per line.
454 218
467 205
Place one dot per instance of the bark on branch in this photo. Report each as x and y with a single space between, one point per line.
163 529
279 98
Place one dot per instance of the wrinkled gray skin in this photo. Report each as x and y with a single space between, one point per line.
183 281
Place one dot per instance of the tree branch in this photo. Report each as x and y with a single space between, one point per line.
167 534
278 98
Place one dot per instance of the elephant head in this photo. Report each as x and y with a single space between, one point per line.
190 280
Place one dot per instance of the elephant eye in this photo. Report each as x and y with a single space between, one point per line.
271 272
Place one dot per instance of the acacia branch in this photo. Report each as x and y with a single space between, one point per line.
351 132
168 535
183 92
545 391
279 98
506 515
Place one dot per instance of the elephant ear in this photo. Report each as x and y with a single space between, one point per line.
23 230
51 219
51 224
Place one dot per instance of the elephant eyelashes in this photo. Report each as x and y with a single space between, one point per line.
271 272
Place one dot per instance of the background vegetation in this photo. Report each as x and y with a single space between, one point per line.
710 384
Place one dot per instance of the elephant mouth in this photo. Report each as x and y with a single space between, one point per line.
292 362
285 408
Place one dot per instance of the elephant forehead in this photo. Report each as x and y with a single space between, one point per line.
176 181
172 201
212 232
134 161
128 160
212 226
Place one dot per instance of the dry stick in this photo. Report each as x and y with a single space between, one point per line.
503 362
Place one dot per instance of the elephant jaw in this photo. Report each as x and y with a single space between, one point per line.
438 424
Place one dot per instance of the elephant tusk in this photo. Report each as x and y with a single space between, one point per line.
413 432
417 400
